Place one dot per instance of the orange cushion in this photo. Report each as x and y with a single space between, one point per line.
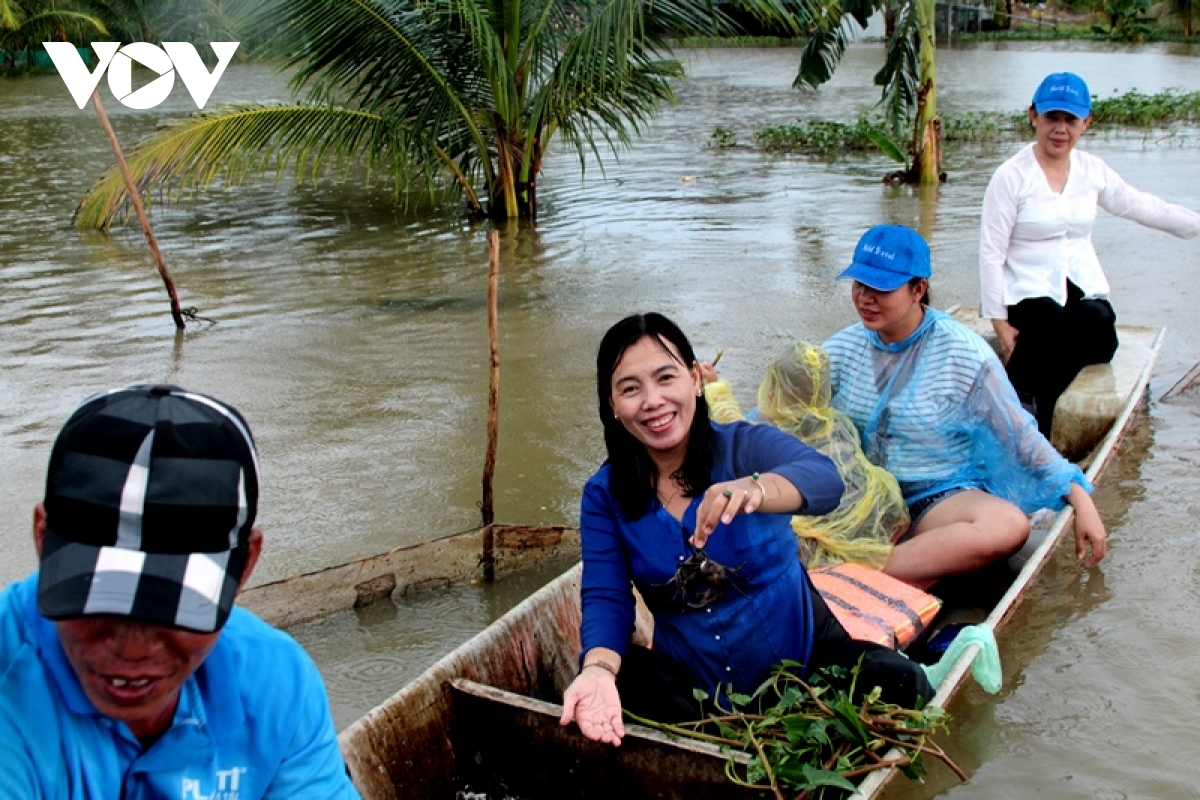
875 607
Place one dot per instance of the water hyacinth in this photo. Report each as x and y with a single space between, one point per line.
1132 110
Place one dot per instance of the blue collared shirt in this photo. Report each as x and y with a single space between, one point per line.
252 722
764 615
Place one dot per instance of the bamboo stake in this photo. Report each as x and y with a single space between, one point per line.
136 197
488 558
1182 384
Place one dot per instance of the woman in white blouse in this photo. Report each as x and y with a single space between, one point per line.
1042 285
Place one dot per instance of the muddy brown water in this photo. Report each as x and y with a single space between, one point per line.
353 338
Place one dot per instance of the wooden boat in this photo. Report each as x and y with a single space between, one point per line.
1090 420
408 570
483 721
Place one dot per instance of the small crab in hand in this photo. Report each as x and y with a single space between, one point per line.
701 581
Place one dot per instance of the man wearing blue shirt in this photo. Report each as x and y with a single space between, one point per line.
125 670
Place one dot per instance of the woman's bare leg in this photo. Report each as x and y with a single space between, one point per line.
964 532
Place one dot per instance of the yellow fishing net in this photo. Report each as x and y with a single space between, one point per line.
794 397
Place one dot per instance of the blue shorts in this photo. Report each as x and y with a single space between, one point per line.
920 508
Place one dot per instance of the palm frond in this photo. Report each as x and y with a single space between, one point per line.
900 74
797 17
11 15
235 143
36 28
489 57
74 22
614 74
616 117
203 19
822 53
393 58
622 37
540 48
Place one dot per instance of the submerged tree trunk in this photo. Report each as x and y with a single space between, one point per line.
927 134
504 199
520 203
927 141
135 197
514 194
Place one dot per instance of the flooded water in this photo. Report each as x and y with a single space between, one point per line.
353 338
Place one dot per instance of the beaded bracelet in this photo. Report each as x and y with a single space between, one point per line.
604 665
761 488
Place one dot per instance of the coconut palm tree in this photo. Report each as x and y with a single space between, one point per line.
908 78
437 95
25 24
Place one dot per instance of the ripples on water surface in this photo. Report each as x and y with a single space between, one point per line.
357 649
353 338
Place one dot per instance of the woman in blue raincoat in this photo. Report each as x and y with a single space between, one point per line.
935 408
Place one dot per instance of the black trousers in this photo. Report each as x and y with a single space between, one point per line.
655 687
1054 343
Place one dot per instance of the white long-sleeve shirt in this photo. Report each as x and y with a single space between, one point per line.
1033 240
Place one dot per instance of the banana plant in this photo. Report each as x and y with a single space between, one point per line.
908 79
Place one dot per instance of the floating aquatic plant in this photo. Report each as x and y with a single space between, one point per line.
1130 110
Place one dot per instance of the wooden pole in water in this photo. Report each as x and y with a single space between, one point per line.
488 558
1182 384
136 197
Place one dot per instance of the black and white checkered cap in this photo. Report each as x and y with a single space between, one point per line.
150 498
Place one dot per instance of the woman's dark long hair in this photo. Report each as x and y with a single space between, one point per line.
634 475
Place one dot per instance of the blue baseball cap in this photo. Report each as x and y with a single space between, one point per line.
887 257
1063 91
